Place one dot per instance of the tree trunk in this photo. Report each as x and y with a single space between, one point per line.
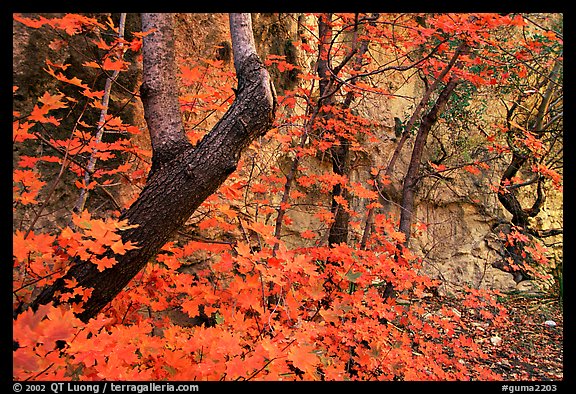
183 176
340 156
411 178
340 152
159 90
508 197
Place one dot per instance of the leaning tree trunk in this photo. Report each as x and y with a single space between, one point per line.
411 178
182 175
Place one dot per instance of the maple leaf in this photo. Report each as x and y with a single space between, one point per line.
114 65
20 246
103 232
232 192
93 95
330 316
68 237
259 188
190 307
397 236
82 185
472 169
420 226
31 185
27 161
60 66
235 367
20 131
100 43
33 23
306 181
243 249
71 283
283 138
74 23
24 360
191 75
248 299
61 324
261 228
362 192
228 211
25 325
214 63
59 76
52 101
83 220
120 247
82 292
38 114
123 225
103 262
303 358
342 201
308 234
438 167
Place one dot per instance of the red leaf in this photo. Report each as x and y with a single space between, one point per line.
302 358
308 234
103 262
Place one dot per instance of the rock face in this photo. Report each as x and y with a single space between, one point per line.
459 245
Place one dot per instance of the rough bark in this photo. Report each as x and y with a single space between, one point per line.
411 178
159 90
184 175
508 198
340 156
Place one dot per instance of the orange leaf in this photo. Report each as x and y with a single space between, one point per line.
308 234
243 249
302 358
190 307
226 210
191 75
421 226
33 23
330 316
120 248
103 232
52 101
114 65
103 262
71 283
61 325
93 95
472 169
259 188
235 367
261 228
20 131
438 167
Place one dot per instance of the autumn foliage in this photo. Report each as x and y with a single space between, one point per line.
229 298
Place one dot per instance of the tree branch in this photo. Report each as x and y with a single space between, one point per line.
159 90
177 187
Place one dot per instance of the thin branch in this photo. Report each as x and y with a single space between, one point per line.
79 206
